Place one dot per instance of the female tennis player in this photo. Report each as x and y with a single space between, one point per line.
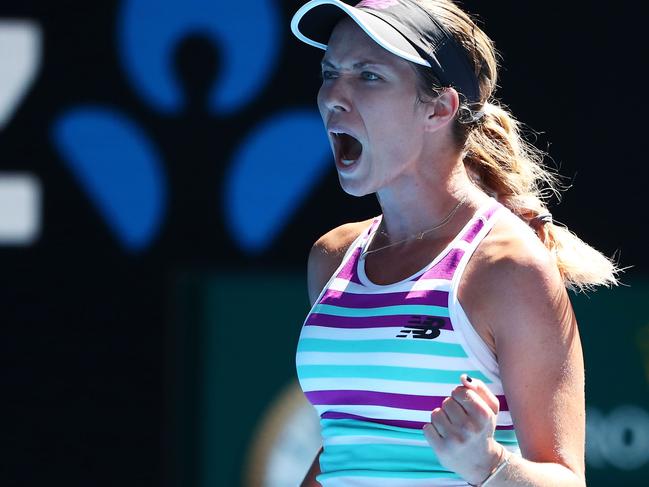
441 348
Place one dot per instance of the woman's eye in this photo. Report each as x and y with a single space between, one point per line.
370 76
366 75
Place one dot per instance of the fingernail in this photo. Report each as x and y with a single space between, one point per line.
469 379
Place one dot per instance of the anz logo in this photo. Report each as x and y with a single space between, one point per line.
426 327
121 168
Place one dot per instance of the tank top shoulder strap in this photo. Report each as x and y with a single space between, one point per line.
471 237
445 267
479 226
347 267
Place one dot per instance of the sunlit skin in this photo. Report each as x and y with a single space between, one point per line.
511 289
407 145
378 102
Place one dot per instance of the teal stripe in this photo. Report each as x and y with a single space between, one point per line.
388 475
404 309
386 372
506 436
426 347
352 427
402 460
367 428
333 431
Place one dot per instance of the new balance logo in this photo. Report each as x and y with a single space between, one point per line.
427 327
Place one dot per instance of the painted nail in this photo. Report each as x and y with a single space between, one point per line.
469 379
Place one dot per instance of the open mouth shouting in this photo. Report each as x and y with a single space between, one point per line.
347 148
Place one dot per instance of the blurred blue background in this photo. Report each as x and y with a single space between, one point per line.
163 174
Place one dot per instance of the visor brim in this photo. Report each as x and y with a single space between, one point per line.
315 20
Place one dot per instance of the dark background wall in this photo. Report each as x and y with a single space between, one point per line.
176 148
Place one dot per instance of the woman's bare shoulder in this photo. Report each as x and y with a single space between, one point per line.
327 254
511 240
513 245
511 263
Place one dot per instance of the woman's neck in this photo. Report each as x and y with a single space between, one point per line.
417 203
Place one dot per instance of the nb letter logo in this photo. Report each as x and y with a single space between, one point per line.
427 327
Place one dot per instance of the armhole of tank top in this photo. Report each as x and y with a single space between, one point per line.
354 245
469 337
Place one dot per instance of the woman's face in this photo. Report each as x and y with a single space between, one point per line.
377 104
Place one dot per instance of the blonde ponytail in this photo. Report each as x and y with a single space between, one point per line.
505 165
502 162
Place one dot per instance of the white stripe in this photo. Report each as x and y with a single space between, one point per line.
377 385
389 482
473 342
466 333
371 440
419 361
339 284
462 245
379 333
382 385
504 418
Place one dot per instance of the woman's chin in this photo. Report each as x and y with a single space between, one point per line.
353 176
354 188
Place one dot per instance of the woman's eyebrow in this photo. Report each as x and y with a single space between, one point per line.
358 65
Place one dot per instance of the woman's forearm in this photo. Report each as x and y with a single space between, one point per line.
520 472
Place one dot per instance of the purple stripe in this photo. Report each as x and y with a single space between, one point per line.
489 213
386 399
473 230
478 225
351 300
390 422
330 321
503 403
349 271
374 224
445 268
370 398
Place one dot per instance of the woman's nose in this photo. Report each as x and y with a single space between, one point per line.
334 96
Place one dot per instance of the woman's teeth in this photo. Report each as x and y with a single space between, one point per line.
348 147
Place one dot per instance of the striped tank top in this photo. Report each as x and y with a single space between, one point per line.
375 360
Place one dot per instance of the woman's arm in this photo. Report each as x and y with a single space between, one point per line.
309 480
523 301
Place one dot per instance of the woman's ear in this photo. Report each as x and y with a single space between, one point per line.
441 110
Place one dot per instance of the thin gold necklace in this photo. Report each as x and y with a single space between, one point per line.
420 235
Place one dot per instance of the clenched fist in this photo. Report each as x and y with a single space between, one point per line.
461 431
